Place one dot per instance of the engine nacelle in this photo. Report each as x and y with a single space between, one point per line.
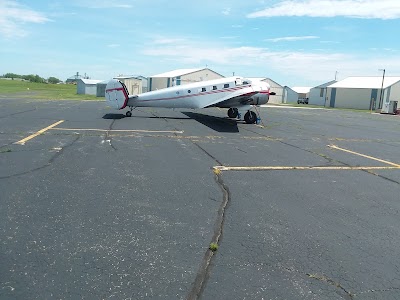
260 98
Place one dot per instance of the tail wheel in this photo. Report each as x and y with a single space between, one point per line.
250 117
233 112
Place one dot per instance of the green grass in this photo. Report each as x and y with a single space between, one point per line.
213 247
24 89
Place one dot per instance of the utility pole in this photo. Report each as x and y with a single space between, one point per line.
380 96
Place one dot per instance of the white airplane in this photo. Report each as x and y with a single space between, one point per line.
236 93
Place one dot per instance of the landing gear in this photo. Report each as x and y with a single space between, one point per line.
233 112
129 112
250 117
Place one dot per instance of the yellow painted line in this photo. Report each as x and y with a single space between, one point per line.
118 130
23 141
366 156
301 168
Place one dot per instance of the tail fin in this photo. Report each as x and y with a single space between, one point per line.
116 94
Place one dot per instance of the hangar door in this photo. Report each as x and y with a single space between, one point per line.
333 98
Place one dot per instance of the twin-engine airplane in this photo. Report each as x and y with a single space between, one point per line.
236 93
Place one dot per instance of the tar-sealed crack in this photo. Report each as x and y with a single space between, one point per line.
204 270
208 154
108 138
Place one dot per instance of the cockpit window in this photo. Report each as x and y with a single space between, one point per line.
240 81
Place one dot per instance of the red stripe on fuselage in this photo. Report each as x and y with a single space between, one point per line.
201 94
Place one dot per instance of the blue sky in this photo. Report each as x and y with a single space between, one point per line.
296 43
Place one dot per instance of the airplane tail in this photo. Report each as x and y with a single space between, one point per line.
116 94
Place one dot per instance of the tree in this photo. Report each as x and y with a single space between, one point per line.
11 75
53 80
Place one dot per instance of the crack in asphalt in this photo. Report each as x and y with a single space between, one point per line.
329 159
51 160
17 113
108 137
346 293
207 153
203 273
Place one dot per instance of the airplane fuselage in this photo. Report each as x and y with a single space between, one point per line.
191 95
235 93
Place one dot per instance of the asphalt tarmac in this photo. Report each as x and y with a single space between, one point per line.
94 205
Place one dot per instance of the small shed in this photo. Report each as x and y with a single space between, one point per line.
87 86
136 84
181 77
101 88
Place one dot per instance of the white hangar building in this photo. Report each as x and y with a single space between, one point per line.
318 94
364 93
180 77
283 94
277 89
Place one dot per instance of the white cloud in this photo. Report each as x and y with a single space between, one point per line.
293 38
226 11
165 41
113 45
13 16
366 9
102 4
288 67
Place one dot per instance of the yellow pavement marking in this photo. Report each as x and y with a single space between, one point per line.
23 141
392 166
304 168
118 130
366 156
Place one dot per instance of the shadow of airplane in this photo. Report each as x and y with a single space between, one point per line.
113 116
121 116
215 123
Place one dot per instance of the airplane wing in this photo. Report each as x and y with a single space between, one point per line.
238 98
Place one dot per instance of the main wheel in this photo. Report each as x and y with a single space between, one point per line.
250 117
128 113
233 112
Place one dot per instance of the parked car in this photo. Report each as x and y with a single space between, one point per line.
302 100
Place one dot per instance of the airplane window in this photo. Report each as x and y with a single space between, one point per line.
214 87
226 85
203 89
246 82
189 91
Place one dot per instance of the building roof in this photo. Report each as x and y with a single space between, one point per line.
326 84
90 81
177 73
301 89
130 77
363 82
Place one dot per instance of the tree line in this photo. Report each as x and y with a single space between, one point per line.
32 78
